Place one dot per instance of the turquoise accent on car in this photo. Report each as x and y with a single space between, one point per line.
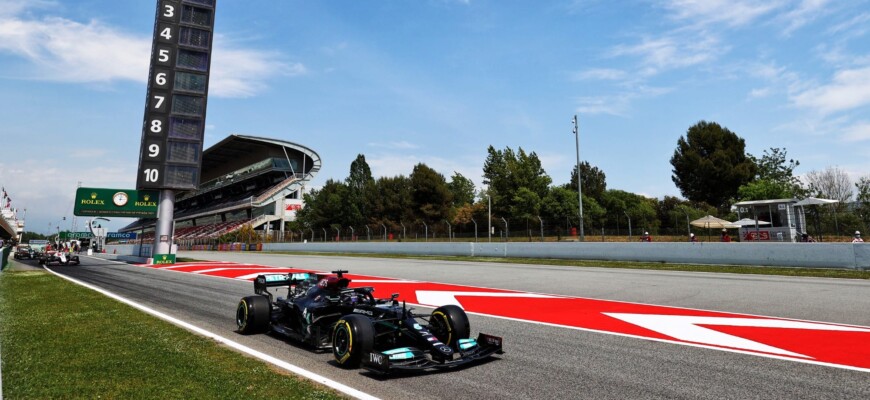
394 351
465 344
402 353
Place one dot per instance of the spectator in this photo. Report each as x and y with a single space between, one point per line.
725 238
646 237
692 238
857 238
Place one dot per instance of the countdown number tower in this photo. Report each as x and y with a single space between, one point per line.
170 157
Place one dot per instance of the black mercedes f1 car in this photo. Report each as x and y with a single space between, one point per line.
381 335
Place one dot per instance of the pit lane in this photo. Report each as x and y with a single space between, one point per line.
541 361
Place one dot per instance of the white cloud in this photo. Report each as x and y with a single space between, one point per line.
671 52
858 132
70 51
855 27
849 89
618 104
47 189
600 74
244 73
729 12
63 50
16 7
806 12
400 145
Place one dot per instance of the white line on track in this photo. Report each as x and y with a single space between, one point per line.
235 345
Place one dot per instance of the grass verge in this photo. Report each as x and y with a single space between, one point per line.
61 340
733 269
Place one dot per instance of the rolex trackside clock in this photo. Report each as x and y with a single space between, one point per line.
120 199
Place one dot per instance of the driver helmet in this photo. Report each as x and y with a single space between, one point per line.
329 283
857 233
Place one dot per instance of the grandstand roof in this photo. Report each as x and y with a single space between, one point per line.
237 151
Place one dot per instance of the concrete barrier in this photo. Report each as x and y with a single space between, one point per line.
805 255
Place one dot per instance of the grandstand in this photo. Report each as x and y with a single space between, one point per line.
10 226
246 180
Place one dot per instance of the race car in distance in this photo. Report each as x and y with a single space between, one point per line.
23 252
59 257
380 335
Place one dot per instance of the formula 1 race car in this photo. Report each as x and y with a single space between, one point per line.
59 257
24 252
378 334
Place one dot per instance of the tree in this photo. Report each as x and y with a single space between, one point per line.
505 172
774 178
593 179
360 185
430 196
863 200
326 206
765 189
462 189
525 204
832 183
642 210
710 164
561 204
393 205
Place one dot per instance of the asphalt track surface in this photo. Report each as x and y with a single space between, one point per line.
541 361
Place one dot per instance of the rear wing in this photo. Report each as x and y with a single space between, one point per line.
263 282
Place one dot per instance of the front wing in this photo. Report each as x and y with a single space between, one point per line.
411 359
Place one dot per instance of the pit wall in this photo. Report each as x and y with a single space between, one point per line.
806 255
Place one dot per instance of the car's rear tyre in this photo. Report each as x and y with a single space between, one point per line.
352 337
449 324
253 314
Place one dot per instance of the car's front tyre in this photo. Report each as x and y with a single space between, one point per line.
449 324
253 314
352 337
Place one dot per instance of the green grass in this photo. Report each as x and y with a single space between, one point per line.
60 340
733 269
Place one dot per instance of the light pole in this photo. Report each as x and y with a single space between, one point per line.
506 232
337 233
475 229
688 225
385 231
449 231
351 233
629 224
579 185
489 208
324 234
404 237
542 227
426 231
368 234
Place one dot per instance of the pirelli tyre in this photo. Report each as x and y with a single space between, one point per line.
352 337
253 314
449 324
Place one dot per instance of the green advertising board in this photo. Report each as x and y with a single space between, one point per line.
66 235
92 202
164 259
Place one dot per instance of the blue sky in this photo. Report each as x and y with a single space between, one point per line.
437 81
